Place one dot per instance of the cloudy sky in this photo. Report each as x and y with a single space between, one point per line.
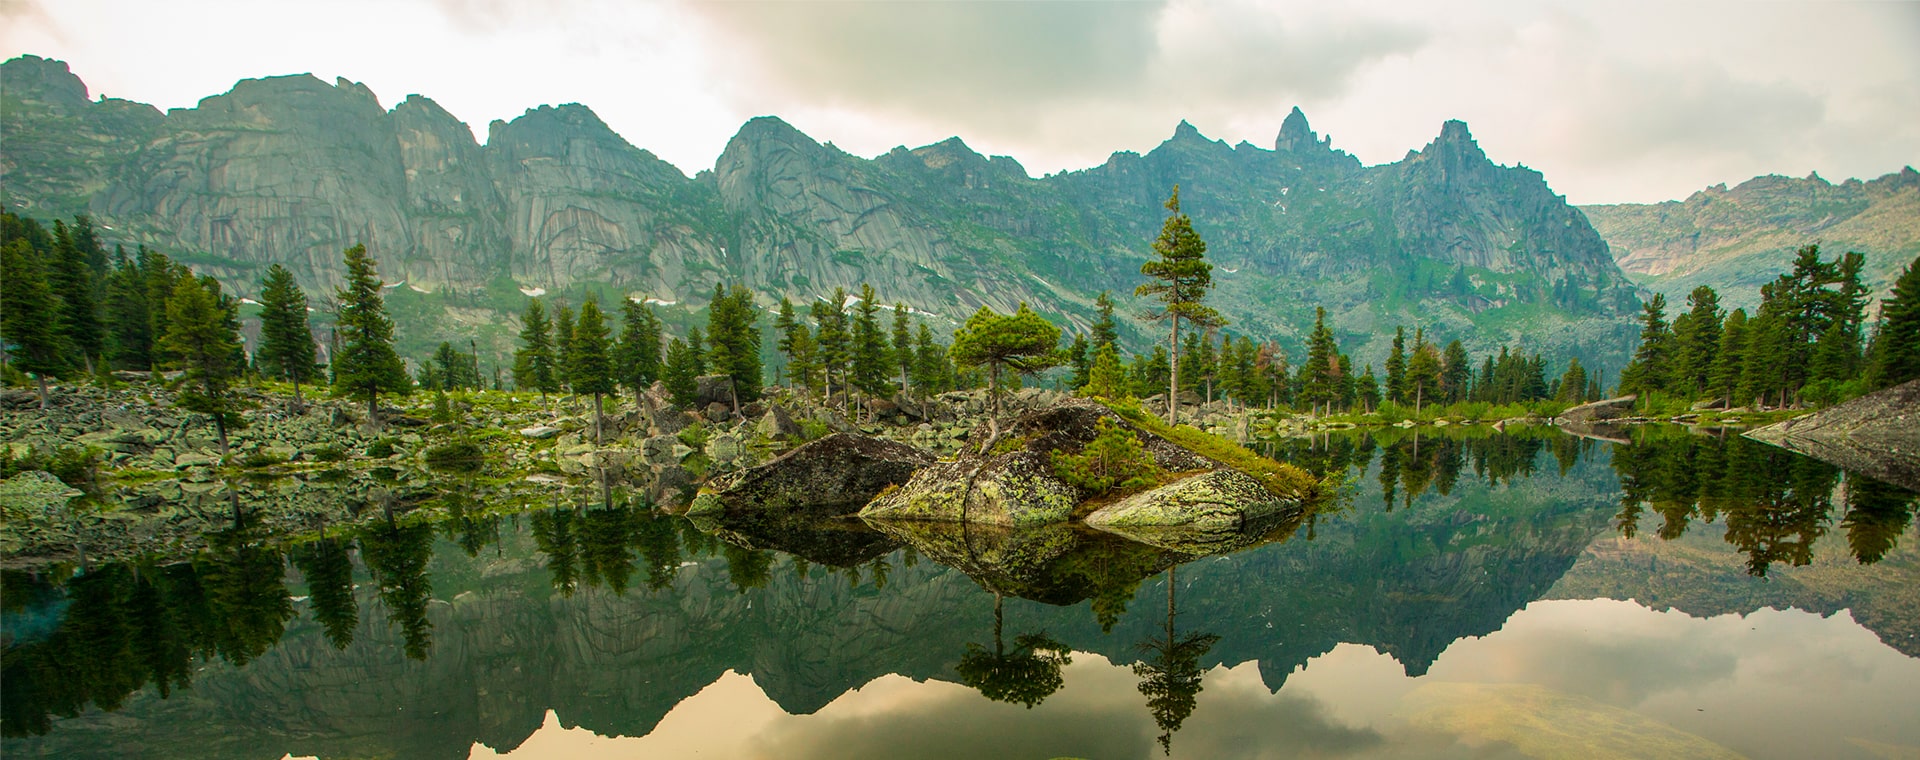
1613 101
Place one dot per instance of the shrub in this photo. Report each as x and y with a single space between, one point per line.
77 466
1113 460
695 436
380 449
1283 480
327 453
462 455
261 459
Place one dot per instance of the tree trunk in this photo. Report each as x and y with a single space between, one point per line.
1173 376
993 386
299 404
40 382
373 411
599 420
220 427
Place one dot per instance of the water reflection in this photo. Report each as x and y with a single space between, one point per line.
613 614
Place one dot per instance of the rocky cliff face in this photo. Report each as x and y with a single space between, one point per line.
291 170
1737 240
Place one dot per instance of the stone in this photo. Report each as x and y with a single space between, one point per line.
540 432
1609 409
718 412
658 450
778 425
836 474
1876 435
34 492
1220 500
713 389
724 448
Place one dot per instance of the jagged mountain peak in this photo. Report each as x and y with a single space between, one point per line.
43 79
1295 134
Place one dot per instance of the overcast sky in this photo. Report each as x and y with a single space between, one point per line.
1613 101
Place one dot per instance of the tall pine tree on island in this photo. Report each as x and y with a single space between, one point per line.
533 361
366 365
202 339
29 316
1182 276
589 368
286 342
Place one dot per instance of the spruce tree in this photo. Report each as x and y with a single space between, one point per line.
901 348
1367 390
590 368
1105 378
161 274
129 326
795 342
1423 371
286 342
830 333
1896 347
533 361
733 336
1105 331
202 342
1182 276
1318 388
1573 384
870 362
638 359
681 372
365 365
30 316
1696 339
931 371
70 276
1455 373
1650 367
1836 353
1729 357
1397 367
562 347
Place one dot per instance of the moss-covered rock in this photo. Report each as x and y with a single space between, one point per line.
1221 500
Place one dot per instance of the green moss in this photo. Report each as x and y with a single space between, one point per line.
1284 480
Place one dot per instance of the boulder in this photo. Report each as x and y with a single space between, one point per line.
1220 500
833 475
1876 435
724 448
718 412
34 492
540 432
778 425
1608 409
712 389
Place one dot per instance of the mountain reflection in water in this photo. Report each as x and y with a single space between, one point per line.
416 639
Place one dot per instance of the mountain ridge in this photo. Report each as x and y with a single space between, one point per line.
291 170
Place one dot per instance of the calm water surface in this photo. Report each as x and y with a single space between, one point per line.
1484 596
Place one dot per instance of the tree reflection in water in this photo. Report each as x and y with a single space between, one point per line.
1027 675
1170 675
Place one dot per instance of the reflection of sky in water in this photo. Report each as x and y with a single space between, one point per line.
1592 678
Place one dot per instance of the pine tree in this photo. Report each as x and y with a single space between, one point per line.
1896 347
681 372
830 333
1573 384
733 336
870 362
789 328
1105 378
1182 278
1836 353
366 365
29 316
901 350
1105 331
1696 338
203 342
1423 371
1649 370
533 361
932 372
162 274
590 368
286 342
1366 390
562 347
1397 367
638 357
1023 342
1317 376
70 277
1455 373
129 336
1729 357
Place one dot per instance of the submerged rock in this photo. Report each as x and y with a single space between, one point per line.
1876 435
835 474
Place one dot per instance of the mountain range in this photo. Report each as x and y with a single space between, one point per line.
291 170
1738 239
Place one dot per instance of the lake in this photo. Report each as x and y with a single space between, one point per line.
1526 594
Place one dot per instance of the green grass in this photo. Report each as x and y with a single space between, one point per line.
1284 480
